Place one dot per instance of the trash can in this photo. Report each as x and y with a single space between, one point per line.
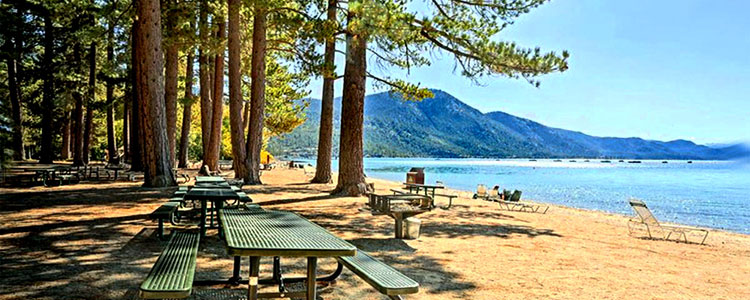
412 228
415 175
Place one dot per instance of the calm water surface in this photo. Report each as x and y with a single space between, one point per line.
705 193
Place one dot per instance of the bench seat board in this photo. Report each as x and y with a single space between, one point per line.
384 278
172 274
165 210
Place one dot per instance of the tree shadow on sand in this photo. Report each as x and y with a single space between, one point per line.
90 253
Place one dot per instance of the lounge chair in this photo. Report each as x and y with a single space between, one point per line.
481 192
515 204
647 219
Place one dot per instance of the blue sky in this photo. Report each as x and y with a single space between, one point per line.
658 70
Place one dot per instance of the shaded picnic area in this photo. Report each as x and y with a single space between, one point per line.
94 240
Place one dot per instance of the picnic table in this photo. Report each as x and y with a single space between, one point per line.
116 169
48 173
217 196
416 188
209 179
257 233
400 207
214 185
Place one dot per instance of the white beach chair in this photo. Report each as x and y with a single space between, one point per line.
481 192
647 219
515 204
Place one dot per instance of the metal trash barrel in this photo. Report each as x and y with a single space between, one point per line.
412 228
415 175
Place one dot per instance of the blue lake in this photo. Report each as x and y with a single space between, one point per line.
705 193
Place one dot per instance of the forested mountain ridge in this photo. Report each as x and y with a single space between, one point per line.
444 126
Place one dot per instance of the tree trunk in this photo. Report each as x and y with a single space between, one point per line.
214 146
77 111
136 149
90 103
325 134
149 80
15 103
187 112
246 117
235 92
205 81
351 180
111 141
170 88
65 152
171 96
257 96
48 104
126 128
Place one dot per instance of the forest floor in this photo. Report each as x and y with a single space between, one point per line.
94 241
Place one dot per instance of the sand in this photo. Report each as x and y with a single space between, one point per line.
93 241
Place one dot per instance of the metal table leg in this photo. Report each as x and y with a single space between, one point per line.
204 211
399 225
312 264
252 286
236 271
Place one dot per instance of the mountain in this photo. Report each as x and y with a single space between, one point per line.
443 126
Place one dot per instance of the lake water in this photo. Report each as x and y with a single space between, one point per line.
705 193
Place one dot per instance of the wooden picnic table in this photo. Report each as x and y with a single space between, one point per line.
216 196
415 188
257 233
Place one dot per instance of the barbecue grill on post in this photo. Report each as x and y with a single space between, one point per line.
415 175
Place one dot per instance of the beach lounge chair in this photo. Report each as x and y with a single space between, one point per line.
481 192
647 219
514 204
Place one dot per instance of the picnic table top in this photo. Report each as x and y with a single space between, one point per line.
203 193
419 185
213 185
203 179
278 233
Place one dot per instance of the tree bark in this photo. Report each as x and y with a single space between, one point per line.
48 105
214 146
236 106
126 129
205 81
351 180
186 112
325 134
172 62
171 96
136 149
90 103
111 141
15 103
149 80
65 152
257 97
77 111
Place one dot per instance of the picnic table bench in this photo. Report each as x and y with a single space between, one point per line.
172 274
384 278
165 212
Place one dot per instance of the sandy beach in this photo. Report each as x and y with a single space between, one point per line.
93 241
